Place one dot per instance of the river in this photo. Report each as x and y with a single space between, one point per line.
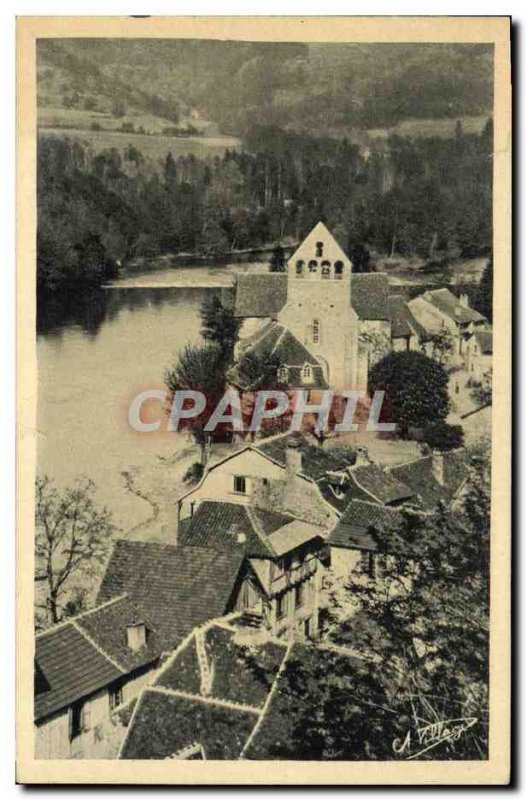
93 358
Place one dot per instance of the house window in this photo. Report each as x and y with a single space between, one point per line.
315 331
299 595
281 606
299 268
307 373
326 269
307 627
339 269
312 266
79 718
115 696
282 374
320 249
240 484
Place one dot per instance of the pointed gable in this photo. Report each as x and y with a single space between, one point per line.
319 245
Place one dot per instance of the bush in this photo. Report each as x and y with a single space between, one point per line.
442 436
194 473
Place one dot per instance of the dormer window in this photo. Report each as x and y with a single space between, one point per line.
339 269
299 269
320 249
326 269
307 373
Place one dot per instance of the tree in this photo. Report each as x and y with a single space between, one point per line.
442 436
416 390
219 325
442 346
483 299
71 537
425 614
200 369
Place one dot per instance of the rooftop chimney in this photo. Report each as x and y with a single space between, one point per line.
293 457
362 456
463 300
438 466
136 636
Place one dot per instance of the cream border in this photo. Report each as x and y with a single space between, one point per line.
320 29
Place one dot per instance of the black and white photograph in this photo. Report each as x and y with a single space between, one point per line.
266 325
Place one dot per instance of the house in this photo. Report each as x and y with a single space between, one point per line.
283 552
438 310
284 472
195 710
406 332
89 669
420 487
325 308
86 669
478 354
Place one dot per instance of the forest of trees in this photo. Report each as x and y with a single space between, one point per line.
425 197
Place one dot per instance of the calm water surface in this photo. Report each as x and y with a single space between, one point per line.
95 359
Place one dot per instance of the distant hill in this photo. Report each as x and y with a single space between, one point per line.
229 87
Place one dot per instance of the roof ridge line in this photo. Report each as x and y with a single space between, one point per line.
214 701
359 484
268 699
406 463
65 622
283 333
99 649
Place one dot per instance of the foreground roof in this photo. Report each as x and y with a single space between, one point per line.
243 718
175 588
255 532
316 461
420 476
375 484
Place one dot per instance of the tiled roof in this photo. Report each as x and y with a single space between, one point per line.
265 294
260 294
265 533
316 462
247 717
175 588
356 527
381 486
419 476
398 316
276 340
69 666
449 304
369 295
106 625
484 339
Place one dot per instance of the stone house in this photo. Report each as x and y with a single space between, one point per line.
478 354
440 310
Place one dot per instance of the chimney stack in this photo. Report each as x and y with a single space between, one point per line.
438 466
362 456
293 457
136 636
463 300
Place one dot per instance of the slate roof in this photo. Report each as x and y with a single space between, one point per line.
316 462
106 625
217 524
449 304
369 295
245 718
484 340
275 339
265 294
69 666
403 322
260 294
380 485
356 528
175 588
419 476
